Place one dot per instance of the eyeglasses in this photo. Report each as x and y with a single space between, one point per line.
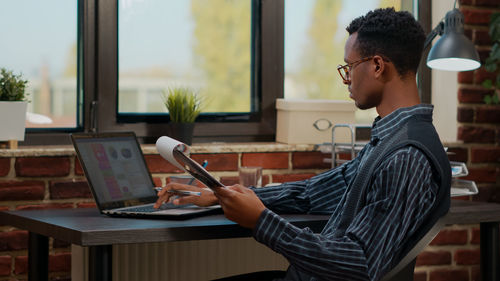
345 70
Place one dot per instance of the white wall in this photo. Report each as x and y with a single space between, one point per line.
444 85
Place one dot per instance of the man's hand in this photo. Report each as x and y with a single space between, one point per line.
240 204
207 197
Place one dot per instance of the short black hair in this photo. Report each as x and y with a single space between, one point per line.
396 36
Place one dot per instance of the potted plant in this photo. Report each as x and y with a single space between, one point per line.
183 105
13 104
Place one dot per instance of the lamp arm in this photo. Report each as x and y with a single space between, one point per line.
438 30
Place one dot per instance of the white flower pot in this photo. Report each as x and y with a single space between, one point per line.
12 120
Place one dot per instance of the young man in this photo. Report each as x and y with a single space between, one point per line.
382 201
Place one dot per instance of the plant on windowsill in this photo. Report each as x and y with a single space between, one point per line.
492 63
183 105
13 104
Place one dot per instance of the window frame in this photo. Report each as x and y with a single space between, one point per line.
98 76
268 62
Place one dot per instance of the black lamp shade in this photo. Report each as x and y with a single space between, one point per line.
453 51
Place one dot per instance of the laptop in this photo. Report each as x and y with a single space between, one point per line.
120 181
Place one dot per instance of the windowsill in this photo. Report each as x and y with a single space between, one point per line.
218 147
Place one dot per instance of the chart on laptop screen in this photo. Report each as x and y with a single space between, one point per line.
117 166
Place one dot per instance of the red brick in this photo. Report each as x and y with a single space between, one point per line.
13 240
86 205
156 164
487 193
490 114
21 190
291 177
236 180
5 265
229 180
157 181
420 276
476 134
21 264
467 256
465 115
481 75
4 166
42 166
433 258
278 160
465 77
489 3
310 160
69 189
483 55
461 198
219 161
60 262
78 167
483 175
449 275
465 2
485 154
472 95
481 37
476 16
475 237
4 208
458 154
450 237
45 206
475 273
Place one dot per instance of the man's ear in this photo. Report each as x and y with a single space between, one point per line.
379 66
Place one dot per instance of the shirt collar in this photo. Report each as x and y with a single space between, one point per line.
383 127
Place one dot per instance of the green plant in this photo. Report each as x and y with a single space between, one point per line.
12 86
492 63
183 104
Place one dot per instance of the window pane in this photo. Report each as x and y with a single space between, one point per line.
39 41
204 45
314 45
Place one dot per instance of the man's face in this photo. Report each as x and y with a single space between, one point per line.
361 84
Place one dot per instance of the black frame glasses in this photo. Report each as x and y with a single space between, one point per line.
345 69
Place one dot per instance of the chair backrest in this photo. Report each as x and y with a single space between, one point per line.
403 271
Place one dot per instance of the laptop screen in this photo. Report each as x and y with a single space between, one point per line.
115 168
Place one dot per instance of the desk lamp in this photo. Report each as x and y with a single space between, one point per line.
453 51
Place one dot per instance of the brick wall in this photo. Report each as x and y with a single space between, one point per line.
454 253
58 182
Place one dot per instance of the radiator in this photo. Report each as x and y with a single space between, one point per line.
183 261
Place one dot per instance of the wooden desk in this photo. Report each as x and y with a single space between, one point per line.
86 227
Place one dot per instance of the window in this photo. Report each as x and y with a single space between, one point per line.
315 36
204 45
229 50
40 41
102 65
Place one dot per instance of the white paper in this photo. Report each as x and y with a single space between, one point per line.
166 146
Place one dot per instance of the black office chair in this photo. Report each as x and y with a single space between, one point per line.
404 270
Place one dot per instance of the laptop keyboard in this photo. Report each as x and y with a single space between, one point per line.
151 209
143 209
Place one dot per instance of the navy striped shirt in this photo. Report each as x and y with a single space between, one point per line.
398 199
